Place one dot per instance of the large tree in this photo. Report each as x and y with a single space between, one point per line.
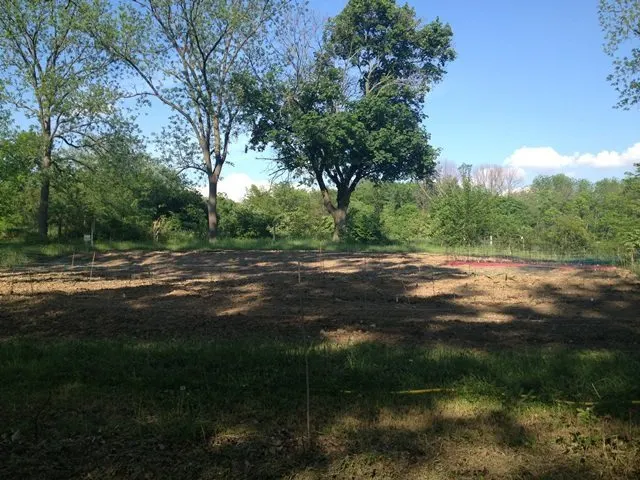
194 56
51 73
620 21
356 111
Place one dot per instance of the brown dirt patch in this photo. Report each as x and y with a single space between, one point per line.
413 298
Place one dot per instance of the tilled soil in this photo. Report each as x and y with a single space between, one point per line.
398 298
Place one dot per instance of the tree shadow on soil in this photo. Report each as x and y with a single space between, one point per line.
162 410
198 370
287 295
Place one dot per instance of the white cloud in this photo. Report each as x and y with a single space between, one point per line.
546 158
538 157
235 185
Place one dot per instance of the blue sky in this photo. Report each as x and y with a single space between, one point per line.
528 88
529 74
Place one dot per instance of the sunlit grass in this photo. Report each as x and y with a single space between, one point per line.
15 253
545 375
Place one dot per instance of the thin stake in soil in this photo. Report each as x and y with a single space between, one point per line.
365 286
12 282
92 262
299 275
306 365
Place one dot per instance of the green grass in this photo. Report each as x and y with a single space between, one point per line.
16 253
238 410
122 408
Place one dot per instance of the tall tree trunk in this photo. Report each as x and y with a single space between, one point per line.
339 212
45 186
212 202
339 223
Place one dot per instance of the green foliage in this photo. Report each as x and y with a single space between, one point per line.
631 243
126 195
51 70
620 20
123 191
509 221
404 223
461 213
325 128
117 189
567 233
281 211
19 157
53 74
363 223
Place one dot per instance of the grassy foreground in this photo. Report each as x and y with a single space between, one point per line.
177 409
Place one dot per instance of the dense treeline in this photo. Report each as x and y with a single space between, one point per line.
115 190
555 213
123 193
340 103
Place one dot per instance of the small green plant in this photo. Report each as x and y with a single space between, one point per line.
586 416
12 258
164 226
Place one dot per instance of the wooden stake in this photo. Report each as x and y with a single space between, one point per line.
299 275
92 262
306 364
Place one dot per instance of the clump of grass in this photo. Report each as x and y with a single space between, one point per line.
55 249
12 258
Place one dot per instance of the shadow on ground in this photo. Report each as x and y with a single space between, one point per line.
195 366
284 295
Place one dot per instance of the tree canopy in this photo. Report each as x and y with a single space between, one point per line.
193 56
620 20
356 112
51 71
